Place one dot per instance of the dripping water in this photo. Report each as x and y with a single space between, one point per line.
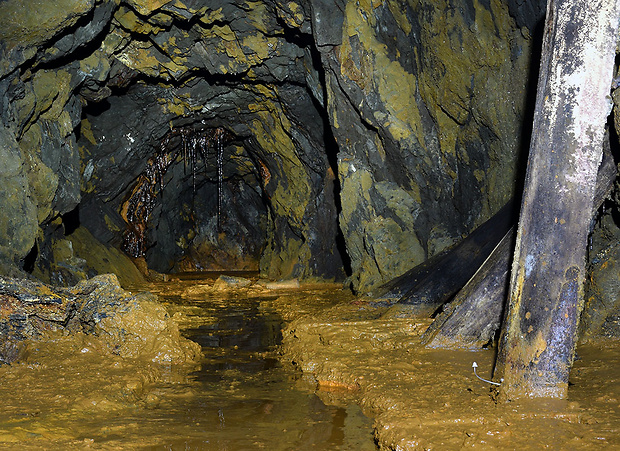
139 203
220 176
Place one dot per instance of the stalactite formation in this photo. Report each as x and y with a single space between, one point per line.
181 143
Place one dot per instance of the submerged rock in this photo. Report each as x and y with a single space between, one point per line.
131 326
197 290
281 284
225 282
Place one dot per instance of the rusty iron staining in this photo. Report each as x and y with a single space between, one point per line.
141 199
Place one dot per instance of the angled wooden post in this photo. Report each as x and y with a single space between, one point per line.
546 285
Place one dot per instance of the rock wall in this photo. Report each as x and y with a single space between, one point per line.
425 152
367 135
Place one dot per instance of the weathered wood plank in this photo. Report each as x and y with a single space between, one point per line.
548 271
431 284
473 317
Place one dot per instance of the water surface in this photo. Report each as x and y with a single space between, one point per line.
240 397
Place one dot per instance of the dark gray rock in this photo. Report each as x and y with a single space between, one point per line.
60 154
87 32
528 14
18 223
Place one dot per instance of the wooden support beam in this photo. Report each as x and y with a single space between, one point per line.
548 270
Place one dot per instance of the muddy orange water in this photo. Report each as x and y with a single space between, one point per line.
70 393
430 399
338 376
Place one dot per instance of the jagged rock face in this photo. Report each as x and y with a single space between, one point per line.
420 138
365 135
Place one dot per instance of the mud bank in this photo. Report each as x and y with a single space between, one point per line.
431 399
124 324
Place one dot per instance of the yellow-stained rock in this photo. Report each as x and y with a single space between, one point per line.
147 7
35 21
42 180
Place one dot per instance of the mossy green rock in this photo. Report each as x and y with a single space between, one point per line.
18 222
369 134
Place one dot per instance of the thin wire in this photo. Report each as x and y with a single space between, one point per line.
474 366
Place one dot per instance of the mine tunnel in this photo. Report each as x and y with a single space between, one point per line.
292 143
206 193
224 180
352 149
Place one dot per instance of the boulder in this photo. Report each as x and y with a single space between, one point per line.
131 326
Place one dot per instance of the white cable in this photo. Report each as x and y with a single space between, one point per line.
474 366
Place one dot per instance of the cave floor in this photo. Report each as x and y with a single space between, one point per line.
338 376
430 399
71 392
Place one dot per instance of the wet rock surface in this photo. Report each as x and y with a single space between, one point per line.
364 140
130 326
600 317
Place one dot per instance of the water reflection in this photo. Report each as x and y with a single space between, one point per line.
246 399
238 338
240 398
